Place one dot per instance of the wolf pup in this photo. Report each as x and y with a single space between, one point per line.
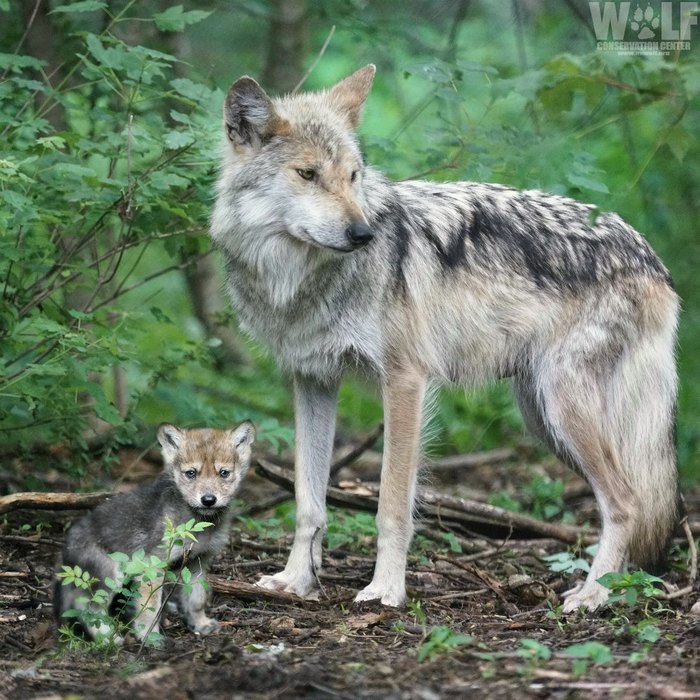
203 470
332 265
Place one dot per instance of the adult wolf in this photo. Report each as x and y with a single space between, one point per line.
332 265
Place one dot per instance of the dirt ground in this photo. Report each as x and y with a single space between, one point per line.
500 594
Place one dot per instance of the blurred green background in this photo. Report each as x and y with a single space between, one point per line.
112 312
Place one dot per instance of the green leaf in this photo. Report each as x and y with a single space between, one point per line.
587 183
179 139
119 556
679 140
191 90
84 6
175 19
596 652
649 633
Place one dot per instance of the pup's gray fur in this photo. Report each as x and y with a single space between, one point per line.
461 282
203 470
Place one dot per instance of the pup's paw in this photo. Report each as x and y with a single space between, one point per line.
206 626
589 597
283 581
394 597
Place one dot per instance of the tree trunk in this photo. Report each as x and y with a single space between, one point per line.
287 46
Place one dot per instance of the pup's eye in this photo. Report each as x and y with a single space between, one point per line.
224 473
353 176
190 473
307 174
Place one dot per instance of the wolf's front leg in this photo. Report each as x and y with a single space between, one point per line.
194 598
315 407
148 609
404 391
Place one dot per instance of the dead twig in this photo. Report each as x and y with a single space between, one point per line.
672 595
316 61
473 459
356 452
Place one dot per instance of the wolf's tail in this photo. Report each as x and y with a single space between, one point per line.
642 407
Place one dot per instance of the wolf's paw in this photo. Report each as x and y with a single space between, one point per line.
303 586
206 626
590 595
394 597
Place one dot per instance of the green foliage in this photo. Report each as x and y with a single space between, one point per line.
134 568
347 529
542 497
442 640
631 588
95 179
534 654
586 653
416 611
567 563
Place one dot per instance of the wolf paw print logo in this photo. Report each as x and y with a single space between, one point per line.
660 29
645 23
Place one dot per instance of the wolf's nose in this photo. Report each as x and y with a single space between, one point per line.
208 500
358 234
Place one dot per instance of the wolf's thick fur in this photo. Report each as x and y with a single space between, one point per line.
460 282
203 470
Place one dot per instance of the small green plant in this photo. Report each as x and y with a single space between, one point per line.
631 588
349 529
587 653
568 563
417 613
534 653
442 640
547 497
137 567
452 542
502 499
544 498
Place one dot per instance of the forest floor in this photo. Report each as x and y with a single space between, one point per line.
483 621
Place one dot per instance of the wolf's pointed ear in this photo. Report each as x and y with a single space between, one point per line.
170 439
249 115
349 95
243 436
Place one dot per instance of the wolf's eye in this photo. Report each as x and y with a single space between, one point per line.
190 474
307 174
224 473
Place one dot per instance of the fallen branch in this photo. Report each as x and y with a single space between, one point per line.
472 459
356 452
514 521
472 514
51 501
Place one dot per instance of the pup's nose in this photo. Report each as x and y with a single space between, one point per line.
358 234
208 500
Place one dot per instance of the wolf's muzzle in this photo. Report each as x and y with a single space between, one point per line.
358 234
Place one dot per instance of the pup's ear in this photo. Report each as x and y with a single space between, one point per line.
243 436
170 439
249 115
349 95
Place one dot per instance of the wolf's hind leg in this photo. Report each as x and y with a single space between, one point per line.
574 414
404 392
